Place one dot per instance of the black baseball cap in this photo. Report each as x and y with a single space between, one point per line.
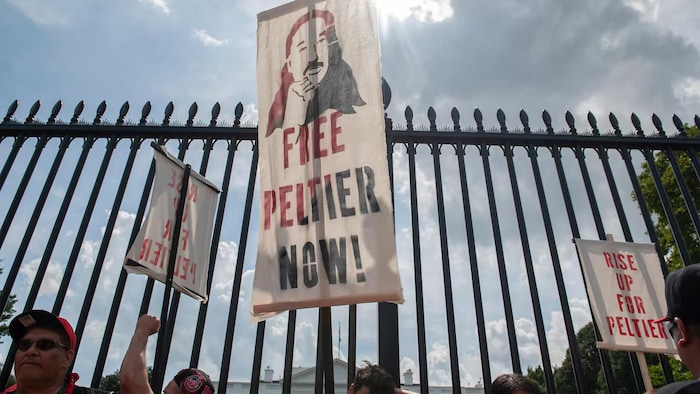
682 295
28 320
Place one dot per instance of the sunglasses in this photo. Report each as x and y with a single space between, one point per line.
41 344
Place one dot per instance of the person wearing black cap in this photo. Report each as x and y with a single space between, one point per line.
133 375
45 350
683 317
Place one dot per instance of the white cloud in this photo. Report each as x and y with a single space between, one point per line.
206 39
688 91
52 277
161 5
421 10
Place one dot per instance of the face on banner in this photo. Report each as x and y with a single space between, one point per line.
314 77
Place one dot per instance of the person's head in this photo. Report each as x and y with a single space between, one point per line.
45 348
190 381
683 314
513 384
372 379
309 44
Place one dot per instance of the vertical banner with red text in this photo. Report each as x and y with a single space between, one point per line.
626 291
326 233
150 252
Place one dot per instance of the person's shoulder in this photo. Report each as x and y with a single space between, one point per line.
89 390
684 387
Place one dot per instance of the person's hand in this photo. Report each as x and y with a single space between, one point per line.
304 88
147 325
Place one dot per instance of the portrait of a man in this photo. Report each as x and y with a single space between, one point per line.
315 77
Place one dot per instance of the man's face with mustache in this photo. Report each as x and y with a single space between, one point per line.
308 57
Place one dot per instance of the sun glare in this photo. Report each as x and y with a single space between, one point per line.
421 10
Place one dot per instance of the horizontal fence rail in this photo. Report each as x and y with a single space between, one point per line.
484 222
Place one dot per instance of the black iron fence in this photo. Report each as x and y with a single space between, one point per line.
484 222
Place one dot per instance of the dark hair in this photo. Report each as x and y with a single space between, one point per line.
509 383
375 378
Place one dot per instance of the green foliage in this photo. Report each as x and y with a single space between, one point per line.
590 364
680 210
536 375
7 313
680 372
111 382
593 375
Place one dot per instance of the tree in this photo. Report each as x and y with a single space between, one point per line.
7 313
536 376
590 364
111 382
651 196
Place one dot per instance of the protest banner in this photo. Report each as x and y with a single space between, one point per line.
626 292
150 252
326 231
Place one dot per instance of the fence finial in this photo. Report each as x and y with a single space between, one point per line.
54 112
215 111
501 117
525 120
77 111
637 124
679 125
122 113
32 112
238 112
547 119
479 119
571 122
432 116
192 113
168 113
408 114
455 119
100 111
615 124
10 111
145 111
386 93
657 123
593 122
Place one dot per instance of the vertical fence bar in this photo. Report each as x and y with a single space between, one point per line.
474 268
12 209
289 353
24 244
123 275
257 358
534 295
500 258
558 275
417 258
446 273
605 361
201 317
16 146
242 245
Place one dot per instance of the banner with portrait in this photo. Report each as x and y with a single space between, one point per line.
326 231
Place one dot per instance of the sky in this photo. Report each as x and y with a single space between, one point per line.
601 56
